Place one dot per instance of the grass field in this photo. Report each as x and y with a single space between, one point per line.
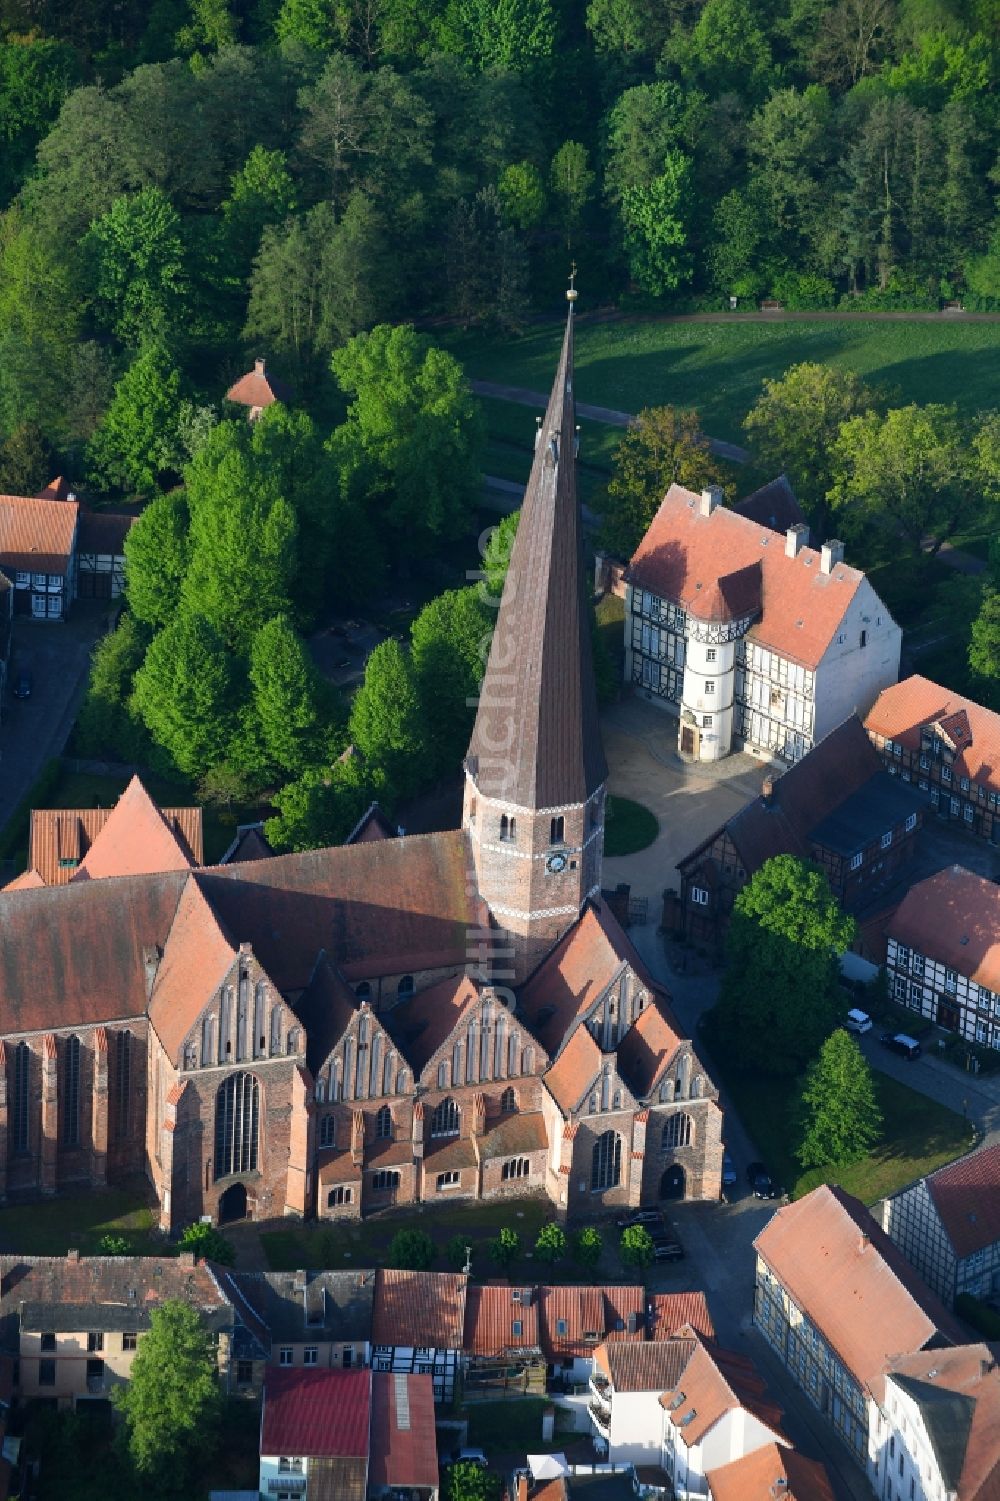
53 1227
630 827
718 367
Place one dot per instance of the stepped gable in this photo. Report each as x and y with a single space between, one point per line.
136 838
325 1008
197 956
536 741
723 566
82 949
420 1025
647 1049
392 907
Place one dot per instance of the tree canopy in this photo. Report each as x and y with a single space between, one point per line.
841 1116
171 1403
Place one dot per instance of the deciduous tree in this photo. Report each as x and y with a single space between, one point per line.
550 1245
841 1116
779 994
137 441
188 692
171 1403
387 726
290 713
140 280
208 1244
655 228
571 183
505 1247
636 1247
449 645
663 447
320 808
588 1247
411 1251
157 552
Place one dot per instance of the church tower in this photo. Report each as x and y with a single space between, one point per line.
535 772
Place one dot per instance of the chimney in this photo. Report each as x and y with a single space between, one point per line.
709 500
185 1258
73 1255
522 1488
863 1243
832 554
767 789
986 1368
258 367
796 538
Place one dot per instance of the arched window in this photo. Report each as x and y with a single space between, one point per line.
363 991
667 1090
405 986
237 1125
403 1081
504 826
385 1180
446 1120
21 1112
557 830
342 1194
676 1131
508 1100
606 1164
328 1131
123 1072
225 1024
69 1105
383 1124
320 1091
517 1167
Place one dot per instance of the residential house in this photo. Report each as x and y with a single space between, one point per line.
74 1324
306 1318
836 806
772 1471
100 553
38 543
403 1443
314 1435
943 953
752 642
258 389
417 1325
839 1304
625 1385
947 1225
397 1020
945 744
939 1434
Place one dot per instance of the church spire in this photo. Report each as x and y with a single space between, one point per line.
536 742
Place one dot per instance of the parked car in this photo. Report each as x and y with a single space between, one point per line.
471 1456
761 1183
858 1021
667 1249
729 1174
23 683
639 1217
901 1043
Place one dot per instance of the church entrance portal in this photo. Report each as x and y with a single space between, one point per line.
233 1204
672 1183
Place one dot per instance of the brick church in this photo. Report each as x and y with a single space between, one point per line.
396 1020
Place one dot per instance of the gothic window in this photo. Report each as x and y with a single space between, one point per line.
259 1005
225 1023
442 1076
123 1073
276 1031
385 1180
677 1131
69 1105
342 1194
517 1167
208 1041
506 827
237 1125
292 1045
241 1017
508 1100
606 1164
383 1124
557 830
445 1120
328 1131
21 1105
405 986
513 1053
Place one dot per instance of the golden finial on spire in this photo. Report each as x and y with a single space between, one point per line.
571 293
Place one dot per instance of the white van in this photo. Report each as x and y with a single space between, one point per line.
858 1021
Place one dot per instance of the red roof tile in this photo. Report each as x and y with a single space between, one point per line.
36 535
954 917
196 959
901 711
56 489
574 1071
419 1308
669 1312
403 1444
724 566
316 1414
419 1026
568 1315
647 1049
852 1283
258 388
490 1316
966 1196
716 1381
971 1468
654 1366
136 839
773 1470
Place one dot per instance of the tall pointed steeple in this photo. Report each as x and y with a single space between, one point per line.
535 769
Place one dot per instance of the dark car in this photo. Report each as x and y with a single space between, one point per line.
667 1249
761 1183
23 684
899 1042
729 1176
645 1217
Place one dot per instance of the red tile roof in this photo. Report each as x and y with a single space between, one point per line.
714 1382
567 1315
669 1312
41 1286
574 1071
901 711
648 1048
517 1133
258 388
725 566
56 489
316 1414
103 532
403 1444
36 535
954 917
852 1283
197 957
965 1433
419 1308
143 838
419 1026
654 1366
490 1315
771 1471
966 1196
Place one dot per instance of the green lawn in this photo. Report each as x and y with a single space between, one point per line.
628 827
511 442
918 1135
512 1425
52 1227
718 367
